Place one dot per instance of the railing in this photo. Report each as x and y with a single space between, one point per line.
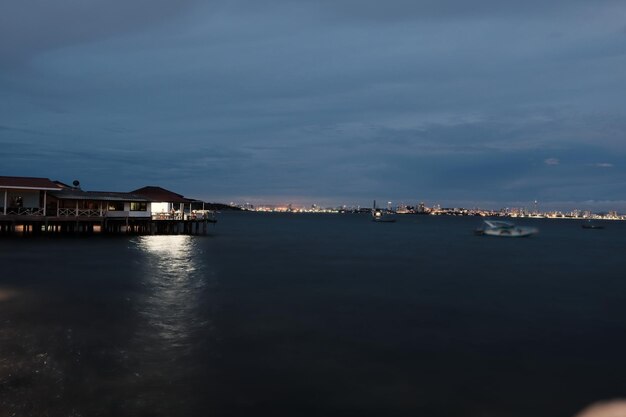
24 211
167 216
89 213
206 215
202 215
66 212
73 212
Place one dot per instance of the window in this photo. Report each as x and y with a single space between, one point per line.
138 206
115 206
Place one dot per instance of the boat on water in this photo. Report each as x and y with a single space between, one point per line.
380 216
591 225
505 229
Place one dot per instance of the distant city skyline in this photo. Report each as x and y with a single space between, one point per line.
476 104
561 206
437 210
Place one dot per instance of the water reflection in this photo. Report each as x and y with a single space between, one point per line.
174 332
172 283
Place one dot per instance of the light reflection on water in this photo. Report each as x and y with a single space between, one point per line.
173 281
174 324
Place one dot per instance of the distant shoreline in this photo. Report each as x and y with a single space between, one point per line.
573 215
459 213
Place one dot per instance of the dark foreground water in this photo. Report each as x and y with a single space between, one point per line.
315 315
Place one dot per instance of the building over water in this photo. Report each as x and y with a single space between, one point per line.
39 205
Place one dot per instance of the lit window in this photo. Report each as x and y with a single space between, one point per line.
138 206
115 206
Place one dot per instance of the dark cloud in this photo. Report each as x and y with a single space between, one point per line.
417 10
31 26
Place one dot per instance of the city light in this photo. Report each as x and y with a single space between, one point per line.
437 210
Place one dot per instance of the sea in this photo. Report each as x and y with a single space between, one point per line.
315 315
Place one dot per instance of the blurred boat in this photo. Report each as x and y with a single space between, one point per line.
505 229
380 216
591 225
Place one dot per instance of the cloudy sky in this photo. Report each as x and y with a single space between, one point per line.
477 103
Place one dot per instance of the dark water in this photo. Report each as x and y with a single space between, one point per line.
315 315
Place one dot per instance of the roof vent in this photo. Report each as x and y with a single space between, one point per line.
76 184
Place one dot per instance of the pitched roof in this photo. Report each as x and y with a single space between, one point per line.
75 194
32 183
159 194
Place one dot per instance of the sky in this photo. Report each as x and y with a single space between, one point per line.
488 103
